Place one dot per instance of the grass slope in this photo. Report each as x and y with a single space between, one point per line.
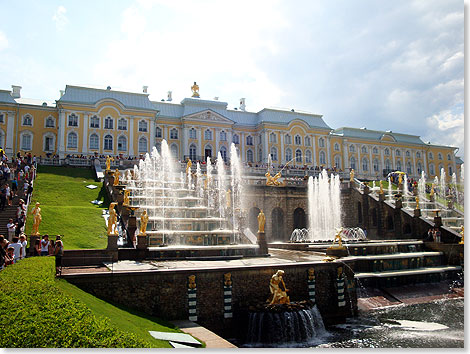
66 208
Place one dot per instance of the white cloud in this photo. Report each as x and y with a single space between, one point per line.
60 18
446 127
3 41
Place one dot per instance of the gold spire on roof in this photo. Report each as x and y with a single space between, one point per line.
195 89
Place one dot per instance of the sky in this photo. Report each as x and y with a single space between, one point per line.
380 64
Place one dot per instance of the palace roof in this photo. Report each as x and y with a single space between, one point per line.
363 133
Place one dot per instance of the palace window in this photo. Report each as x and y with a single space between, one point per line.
208 134
448 157
174 134
288 154
399 165
336 147
249 140
142 126
450 171
364 150
418 155
375 150
235 139
122 143
407 153
94 122
174 150
431 156
273 138
158 132
26 141
192 152
298 140
397 152
365 164
321 142
73 120
386 152
223 137
142 144
288 139
274 153
307 141
387 164
249 156
260 155
94 142
308 156
408 168
108 142
419 168
298 156
337 161
322 158
439 156
108 123
27 120
2 118
72 140
122 124
376 165
432 169
50 123
352 163
192 133
351 148
48 142
223 153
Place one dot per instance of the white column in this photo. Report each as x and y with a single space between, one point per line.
371 164
152 140
314 148
184 133
393 159
10 133
265 146
85 134
382 159
281 155
345 155
199 136
242 147
217 136
61 134
131 136
425 162
328 152
413 153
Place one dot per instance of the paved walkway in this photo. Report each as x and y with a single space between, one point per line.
211 339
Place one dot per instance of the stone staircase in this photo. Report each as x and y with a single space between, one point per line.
397 263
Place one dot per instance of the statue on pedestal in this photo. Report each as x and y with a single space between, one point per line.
278 296
126 197
36 212
144 218
108 163
188 166
261 221
195 89
381 188
116 177
273 180
417 202
112 220
351 175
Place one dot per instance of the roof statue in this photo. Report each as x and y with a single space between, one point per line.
195 89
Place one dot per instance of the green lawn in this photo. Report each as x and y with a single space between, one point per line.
38 310
66 206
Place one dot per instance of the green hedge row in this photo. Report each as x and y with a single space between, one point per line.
35 313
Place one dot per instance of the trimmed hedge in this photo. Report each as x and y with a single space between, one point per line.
35 313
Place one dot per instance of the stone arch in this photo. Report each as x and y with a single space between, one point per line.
277 225
253 219
300 219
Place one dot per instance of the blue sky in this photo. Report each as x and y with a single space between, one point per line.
386 65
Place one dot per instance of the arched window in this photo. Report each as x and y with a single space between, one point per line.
407 153
73 120
431 156
419 168
223 136
108 123
376 165
72 140
408 168
260 155
399 165
307 141
418 155
223 153
336 147
352 163
94 122
108 142
142 144
26 141
440 169
288 139
352 148
298 140
192 133
192 152
387 165
274 153
450 171
174 150
249 140
322 158
375 150
158 145
142 126
386 152
158 132
397 152
272 138
48 141
249 155
122 143
288 154
365 164
338 161
364 150
235 139
27 120
439 156
308 156
122 125
174 134
94 142
448 157
298 156
208 134
50 123
432 169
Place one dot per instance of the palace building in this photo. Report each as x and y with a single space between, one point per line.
90 121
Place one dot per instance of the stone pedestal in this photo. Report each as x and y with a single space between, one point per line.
381 197
337 251
112 242
131 228
431 198
263 246
32 241
437 221
398 204
417 213
400 187
142 242
366 189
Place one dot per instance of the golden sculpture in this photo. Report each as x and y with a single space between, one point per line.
340 272
228 197
381 188
112 220
108 163
273 180
261 221
338 238
195 89
116 177
351 175
400 179
311 274
432 191
36 212
144 218
192 282
228 279
417 202
278 296
461 233
126 197
188 166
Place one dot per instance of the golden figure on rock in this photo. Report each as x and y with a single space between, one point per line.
192 282
400 179
381 188
338 238
116 177
108 163
144 218
112 220
311 274
432 191
351 175
261 221
195 89
228 279
278 296
273 180
126 197
188 166
36 212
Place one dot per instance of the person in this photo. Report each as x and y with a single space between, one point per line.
44 245
51 248
24 245
20 224
18 249
438 235
37 248
3 198
8 194
10 256
3 253
430 234
11 227
14 187
59 252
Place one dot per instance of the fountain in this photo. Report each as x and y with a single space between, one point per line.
442 184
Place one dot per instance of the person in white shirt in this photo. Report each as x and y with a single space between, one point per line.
18 249
24 244
11 226
26 169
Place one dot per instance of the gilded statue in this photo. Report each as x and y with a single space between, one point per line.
108 162
228 197
144 218
432 191
188 166
126 197
36 212
192 282
116 177
340 272
278 296
195 89
461 234
351 175
400 179
112 219
228 279
261 221
273 180
311 274
381 188
417 202
338 238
